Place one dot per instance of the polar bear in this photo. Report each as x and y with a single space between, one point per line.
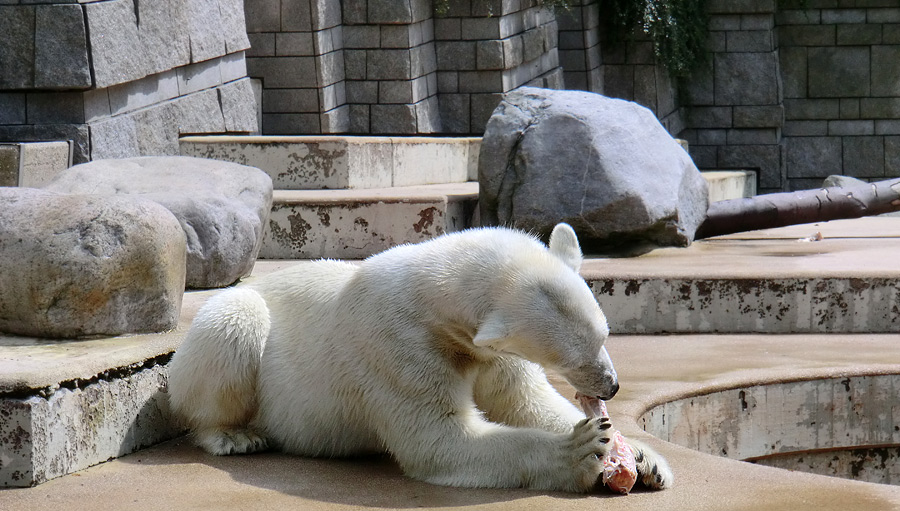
434 353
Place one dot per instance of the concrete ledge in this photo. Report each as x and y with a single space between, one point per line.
730 184
771 281
33 164
335 162
354 224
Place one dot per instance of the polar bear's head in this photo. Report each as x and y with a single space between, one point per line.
547 314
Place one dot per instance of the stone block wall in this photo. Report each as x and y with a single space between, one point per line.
579 46
486 48
122 78
393 66
735 101
841 75
296 49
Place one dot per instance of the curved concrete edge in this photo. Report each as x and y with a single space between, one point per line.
653 369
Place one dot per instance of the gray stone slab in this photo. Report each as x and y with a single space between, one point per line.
12 108
863 156
853 128
886 70
892 156
879 108
814 156
206 30
389 64
164 33
117 53
17 58
758 116
10 163
234 25
263 44
60 52
284 72
765 159
851 63
55 108
733 71
750 41
199 112
239 106
858 34
393 119
266 15
807 35
811 109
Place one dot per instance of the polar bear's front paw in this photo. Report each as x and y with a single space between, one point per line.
589 445
222 442
653 470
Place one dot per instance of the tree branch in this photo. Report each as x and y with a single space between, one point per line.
791 208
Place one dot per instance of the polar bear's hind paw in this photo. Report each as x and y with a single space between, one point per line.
223 442
653 471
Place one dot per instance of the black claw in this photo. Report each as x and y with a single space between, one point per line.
639 457
605 426
654 470
604 419
604 440
658 479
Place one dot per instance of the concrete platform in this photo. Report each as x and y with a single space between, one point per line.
177 476
769 281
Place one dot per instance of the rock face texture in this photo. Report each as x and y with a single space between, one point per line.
605 166
83 265
221 206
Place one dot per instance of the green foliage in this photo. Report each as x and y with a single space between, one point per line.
677 28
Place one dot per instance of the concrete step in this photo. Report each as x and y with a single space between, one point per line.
33 164
768 281
730 184
335 162
354 224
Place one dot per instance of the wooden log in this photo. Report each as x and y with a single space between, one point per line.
801 207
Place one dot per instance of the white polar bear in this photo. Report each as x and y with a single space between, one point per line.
431 352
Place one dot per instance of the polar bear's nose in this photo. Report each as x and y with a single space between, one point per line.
614 389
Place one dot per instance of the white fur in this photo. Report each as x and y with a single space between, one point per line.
432 352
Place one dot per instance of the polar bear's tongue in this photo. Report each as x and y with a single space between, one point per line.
592 406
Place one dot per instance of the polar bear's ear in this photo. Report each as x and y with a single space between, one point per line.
564 245
491 330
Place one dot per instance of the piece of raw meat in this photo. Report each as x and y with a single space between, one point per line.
619 466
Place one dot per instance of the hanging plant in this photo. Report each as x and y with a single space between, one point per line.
677 28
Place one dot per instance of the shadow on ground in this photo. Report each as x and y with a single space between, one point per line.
374 481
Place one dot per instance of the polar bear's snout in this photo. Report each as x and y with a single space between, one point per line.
598 379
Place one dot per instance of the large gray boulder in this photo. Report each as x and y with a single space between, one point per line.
604 166
222 206
84 265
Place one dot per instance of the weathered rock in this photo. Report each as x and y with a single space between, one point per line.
605 166
82 265
222 206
